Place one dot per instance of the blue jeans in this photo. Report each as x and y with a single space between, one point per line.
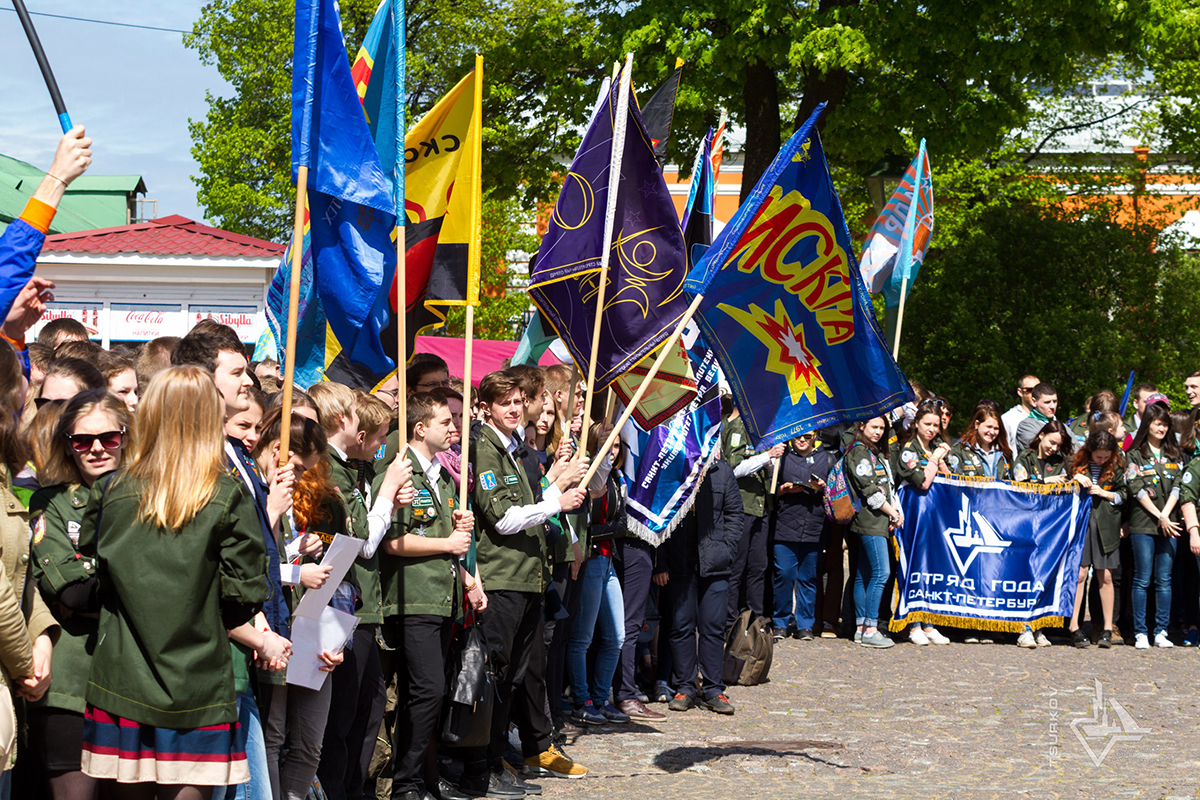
600 598
1152 554
796 568
870 574
250 729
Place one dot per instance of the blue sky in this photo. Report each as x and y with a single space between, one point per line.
134 90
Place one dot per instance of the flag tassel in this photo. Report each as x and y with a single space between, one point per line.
614 186
289 354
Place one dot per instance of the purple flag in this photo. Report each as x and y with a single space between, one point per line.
644 298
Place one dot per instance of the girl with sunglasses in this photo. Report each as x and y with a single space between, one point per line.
916 461
801 533
88 442
180 558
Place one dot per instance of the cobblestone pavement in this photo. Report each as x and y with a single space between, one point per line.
978 720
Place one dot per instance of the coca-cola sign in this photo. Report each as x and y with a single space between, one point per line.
141 323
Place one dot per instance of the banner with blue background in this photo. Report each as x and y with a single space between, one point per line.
989 555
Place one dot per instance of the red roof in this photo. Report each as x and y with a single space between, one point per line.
173 235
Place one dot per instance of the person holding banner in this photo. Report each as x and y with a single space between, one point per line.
982 451
1047 457
424 581
1153 475
919 456
1099 468
870 477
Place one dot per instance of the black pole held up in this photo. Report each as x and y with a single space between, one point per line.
60 107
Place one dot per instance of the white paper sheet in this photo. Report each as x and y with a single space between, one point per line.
341 555
310 637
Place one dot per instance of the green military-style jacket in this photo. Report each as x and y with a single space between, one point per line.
908 464
163 657
1157 476
869 475
1189 483
1030 469
365 574
516 563
736 448
56 517
1079 429
428 584
1107 516
963 460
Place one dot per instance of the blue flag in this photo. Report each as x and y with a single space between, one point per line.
644 296
667 464
351 213
311 323
986 554
785 308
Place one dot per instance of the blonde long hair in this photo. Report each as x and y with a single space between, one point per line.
180 451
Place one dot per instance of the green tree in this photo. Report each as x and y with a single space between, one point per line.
1077 299
962 75
533 101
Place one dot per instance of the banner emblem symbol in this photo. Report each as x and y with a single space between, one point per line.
983 538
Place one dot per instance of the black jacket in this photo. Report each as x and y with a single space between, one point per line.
800 516
707 539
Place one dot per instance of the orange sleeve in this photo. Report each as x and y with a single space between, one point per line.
39 215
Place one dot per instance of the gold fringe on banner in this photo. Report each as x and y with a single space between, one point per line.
1070 487
971 623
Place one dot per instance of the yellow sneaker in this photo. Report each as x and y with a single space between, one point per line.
552 763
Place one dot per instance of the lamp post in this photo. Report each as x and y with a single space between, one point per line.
882 180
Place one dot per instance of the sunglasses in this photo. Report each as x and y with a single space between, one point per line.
109 440
41 402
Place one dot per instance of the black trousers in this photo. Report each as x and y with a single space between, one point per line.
557 635
635 565
420 688
513 627
748 583
696 605
355 711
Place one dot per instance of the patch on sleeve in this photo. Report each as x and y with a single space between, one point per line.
1020 474
909 458
863 469
952 461
487 480
73 528
39 529
1132 472
1187 477
511 480
735 439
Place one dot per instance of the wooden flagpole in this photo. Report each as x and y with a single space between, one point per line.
473 257
667 348
289 354
900 317
614 187
775 475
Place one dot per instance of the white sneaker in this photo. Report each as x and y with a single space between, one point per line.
1041 640
1161 640
1141 641
1026 640
918 637
935 636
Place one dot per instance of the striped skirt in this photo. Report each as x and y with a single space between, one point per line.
129 752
